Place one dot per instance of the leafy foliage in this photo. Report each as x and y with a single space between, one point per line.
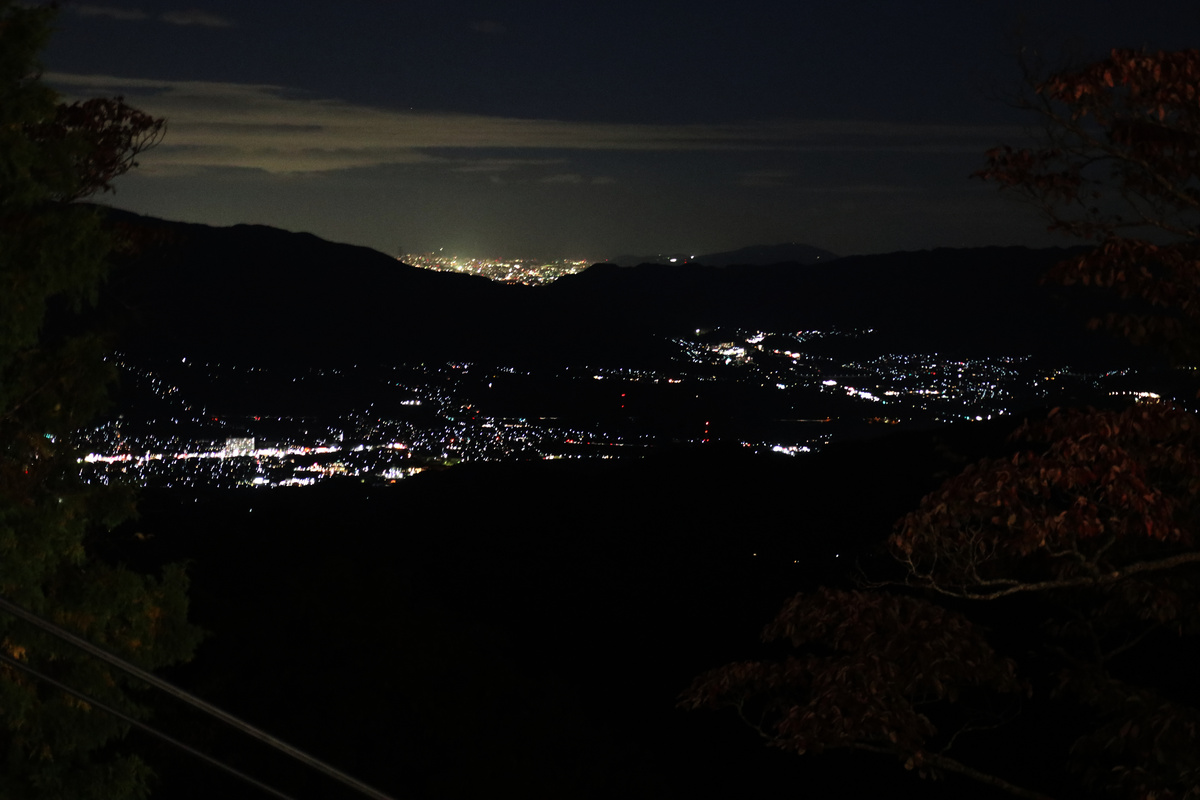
1110 494
53 258
871 666
1099 523
1088 528
1121 166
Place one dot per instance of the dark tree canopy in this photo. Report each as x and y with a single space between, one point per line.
53 258
1120 165
1079 547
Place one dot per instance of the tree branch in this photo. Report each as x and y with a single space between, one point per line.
951 765
1068 583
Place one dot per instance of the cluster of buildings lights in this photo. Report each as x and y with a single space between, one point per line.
451 427
512 270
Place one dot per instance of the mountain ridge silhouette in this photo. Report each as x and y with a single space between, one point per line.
267 293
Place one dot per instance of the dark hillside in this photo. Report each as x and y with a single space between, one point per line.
521 629
969 301
787 253
257 292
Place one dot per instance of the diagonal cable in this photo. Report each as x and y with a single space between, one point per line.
12 662
192 700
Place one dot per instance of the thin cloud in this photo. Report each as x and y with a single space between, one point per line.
504 164
222 125
191 16
575 179
195 17
794 181
122 14
767 178
563 177
867 188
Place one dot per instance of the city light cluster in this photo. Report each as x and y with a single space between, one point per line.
512 270
782 393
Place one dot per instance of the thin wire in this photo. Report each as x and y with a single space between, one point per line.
192 700
141 725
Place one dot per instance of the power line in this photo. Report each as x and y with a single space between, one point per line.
12 662
192 700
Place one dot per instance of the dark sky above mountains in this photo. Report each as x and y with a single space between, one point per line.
551 129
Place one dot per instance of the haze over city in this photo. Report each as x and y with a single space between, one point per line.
542 130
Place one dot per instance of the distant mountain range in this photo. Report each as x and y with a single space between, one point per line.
256 292
755 255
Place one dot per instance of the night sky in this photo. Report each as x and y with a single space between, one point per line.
587 130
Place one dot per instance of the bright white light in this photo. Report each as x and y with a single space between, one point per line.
829 383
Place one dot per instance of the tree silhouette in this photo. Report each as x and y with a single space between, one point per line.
1079 547
1120 165
53 379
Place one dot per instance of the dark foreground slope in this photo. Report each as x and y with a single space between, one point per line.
253 292
520 630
